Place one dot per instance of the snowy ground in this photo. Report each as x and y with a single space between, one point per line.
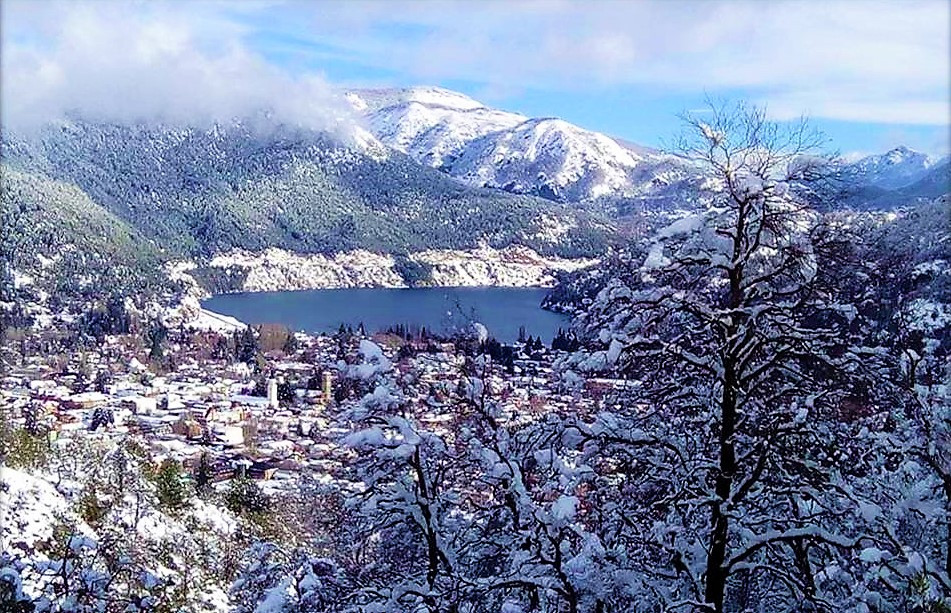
278 270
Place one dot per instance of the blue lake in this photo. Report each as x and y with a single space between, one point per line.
500 309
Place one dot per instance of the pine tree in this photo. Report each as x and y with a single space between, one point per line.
101 416
245 496
203 474
156 340
247 346
170 485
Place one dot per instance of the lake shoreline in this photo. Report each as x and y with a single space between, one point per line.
280 270
503 310
370 288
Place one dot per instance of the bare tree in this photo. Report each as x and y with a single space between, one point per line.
742 355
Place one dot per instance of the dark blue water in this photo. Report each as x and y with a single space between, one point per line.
500 309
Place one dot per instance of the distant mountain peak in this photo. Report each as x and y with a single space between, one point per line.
902 154
897 177
372 100
430 124
442 97
896 168
555 159
483 146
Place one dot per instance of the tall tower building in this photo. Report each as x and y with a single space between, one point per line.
272 393
327 387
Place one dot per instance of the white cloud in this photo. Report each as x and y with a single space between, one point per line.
869 60
861 60
124 62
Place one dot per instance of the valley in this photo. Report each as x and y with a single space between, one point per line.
475 307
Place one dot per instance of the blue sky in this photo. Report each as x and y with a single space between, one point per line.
870 74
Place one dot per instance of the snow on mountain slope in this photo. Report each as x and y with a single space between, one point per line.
934 182
372 100
493 148
550 157
895 169
431 125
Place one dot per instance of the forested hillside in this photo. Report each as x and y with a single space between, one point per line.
199 192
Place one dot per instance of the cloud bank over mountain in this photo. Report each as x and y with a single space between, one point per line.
843 59
120 62
864 61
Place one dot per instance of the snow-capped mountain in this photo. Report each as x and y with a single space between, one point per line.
895 169
550 157
899 177
557 160
198 192
487 147
431 124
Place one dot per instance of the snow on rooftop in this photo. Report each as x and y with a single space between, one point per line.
216 322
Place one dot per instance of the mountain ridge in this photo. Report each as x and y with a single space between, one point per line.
557 160
190 193
487 147
194 193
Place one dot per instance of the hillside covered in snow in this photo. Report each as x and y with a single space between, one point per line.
429 171
131 195
487 147
277 269
900 177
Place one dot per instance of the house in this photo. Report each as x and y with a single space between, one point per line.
86 400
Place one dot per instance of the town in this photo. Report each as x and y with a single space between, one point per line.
225 400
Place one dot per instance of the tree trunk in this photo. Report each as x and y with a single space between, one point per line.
947 561
947 518
432 543
716 572
719 534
